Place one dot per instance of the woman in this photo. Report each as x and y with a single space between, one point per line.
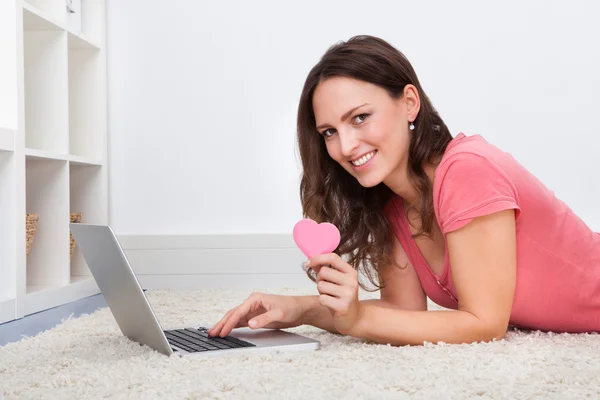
423 214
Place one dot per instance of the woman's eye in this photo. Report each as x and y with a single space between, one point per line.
361 115
361 118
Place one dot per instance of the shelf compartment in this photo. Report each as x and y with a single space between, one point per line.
44 14
47 188
36 18
7 139
78 41
8 267
86 124
46 91
93 15
86 196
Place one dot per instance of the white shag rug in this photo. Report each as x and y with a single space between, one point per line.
88 358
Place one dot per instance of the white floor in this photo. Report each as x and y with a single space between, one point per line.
88 357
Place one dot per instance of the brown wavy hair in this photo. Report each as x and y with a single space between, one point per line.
328 192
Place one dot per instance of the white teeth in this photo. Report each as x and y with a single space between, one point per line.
363 159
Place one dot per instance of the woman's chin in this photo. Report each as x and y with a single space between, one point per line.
368 182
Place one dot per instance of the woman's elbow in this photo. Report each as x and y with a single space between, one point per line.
491 332
488 329
498 335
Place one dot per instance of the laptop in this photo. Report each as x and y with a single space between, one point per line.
136 319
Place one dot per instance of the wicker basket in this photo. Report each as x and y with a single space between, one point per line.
31 221
75 219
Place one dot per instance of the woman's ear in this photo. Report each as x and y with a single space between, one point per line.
412 102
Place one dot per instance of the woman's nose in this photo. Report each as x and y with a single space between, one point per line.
348 142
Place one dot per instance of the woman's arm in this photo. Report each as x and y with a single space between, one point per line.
483 262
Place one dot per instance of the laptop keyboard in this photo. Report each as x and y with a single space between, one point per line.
196 340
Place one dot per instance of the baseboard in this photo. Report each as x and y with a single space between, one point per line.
248 282
215 261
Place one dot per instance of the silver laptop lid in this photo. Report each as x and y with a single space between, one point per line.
119 285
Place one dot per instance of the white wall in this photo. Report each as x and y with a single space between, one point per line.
203 97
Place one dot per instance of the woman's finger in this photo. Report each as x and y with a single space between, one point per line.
236 316
216 328
330 289
330 259
331 275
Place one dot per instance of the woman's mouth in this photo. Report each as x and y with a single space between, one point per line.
364 160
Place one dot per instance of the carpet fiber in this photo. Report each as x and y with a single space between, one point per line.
88 358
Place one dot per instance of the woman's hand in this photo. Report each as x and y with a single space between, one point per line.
261 311
337 283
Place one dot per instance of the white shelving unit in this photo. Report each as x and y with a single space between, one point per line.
53 147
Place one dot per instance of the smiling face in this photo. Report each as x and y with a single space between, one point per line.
365 130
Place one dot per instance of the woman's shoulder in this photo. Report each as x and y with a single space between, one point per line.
473 154
474 178
471 147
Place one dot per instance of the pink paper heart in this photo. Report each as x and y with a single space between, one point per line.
314 239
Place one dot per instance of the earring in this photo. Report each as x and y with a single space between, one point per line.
412 126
